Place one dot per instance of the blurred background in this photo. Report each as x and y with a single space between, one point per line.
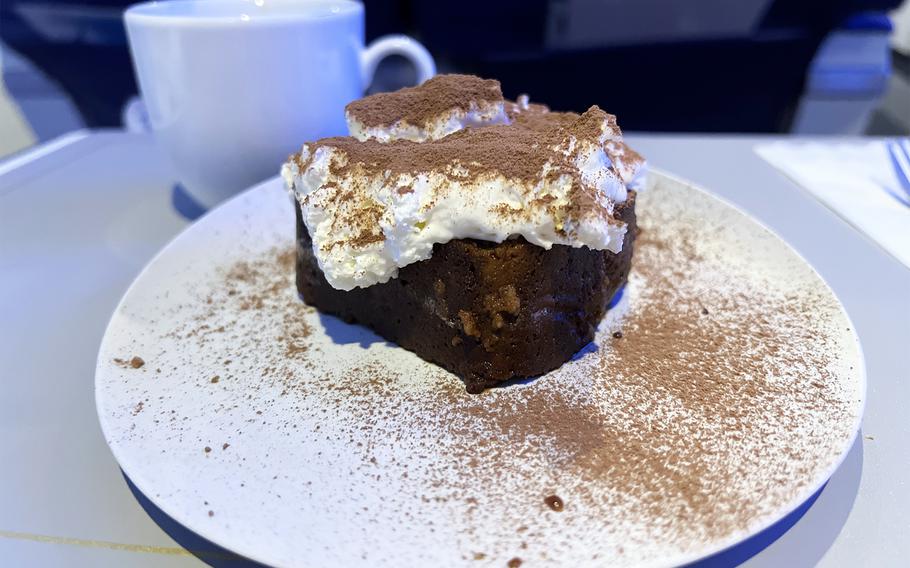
751 66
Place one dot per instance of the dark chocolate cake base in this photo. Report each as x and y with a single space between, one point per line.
488 312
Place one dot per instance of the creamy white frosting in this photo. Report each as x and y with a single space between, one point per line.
436 208
442 125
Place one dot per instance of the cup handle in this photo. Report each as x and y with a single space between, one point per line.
402 45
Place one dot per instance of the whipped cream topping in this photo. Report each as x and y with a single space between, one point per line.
434 109
523 106
431 128
373 207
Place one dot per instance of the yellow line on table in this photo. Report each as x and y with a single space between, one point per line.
88 543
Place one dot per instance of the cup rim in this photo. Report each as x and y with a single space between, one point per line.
168 12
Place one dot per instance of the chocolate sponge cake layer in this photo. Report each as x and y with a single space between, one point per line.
488 312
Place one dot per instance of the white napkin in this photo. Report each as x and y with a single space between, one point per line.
853 179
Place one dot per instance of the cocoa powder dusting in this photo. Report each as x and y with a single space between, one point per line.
419 105
534 148
652 421
554 502
517 151
522 108
131 363
690 428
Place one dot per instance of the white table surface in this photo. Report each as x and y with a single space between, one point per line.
80 218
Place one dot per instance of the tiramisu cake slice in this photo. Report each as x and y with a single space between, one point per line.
491 248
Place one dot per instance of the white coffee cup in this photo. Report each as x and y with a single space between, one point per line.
232 87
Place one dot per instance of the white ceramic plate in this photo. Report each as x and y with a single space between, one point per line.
294 439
